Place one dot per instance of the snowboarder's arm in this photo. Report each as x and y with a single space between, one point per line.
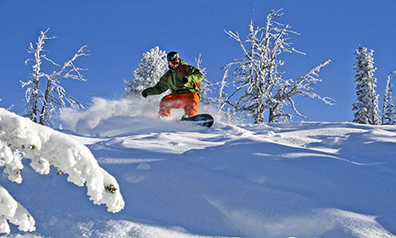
159 88
194 74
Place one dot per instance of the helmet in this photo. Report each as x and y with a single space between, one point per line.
173 59
172 56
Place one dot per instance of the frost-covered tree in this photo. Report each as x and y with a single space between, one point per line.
388 112
366 106
259 83
55 95
222 95
228 113
206 86
45 98
33 92
21 138
152 66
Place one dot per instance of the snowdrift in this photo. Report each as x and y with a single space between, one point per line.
270 180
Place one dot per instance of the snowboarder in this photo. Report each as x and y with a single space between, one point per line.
183 82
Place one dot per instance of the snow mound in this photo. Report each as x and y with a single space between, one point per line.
270 180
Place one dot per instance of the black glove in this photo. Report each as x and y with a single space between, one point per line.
185 80
144 94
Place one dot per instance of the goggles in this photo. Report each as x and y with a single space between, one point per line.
174 63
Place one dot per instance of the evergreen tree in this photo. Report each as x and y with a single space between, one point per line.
152 66
387 95
366 106
390 115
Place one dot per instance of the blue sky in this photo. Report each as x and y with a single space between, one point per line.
118 32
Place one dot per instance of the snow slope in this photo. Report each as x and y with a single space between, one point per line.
271 180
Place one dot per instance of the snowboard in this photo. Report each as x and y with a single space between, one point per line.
205 120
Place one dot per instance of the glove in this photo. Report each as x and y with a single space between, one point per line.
144 94
185 80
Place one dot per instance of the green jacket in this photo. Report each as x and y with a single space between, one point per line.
172 80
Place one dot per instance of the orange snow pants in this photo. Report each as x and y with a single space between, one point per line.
187 101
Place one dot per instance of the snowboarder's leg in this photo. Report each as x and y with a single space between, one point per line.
187 101
167 103
190 101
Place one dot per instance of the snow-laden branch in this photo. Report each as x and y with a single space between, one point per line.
303 87
44 147
14 212
9 208
305 83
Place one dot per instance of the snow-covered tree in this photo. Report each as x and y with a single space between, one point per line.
46 98
259 83
33 92
152 66
229 114
21 138
55 95
206 86
221 92
366 106
388 112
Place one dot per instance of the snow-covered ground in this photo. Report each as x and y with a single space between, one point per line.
305 179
